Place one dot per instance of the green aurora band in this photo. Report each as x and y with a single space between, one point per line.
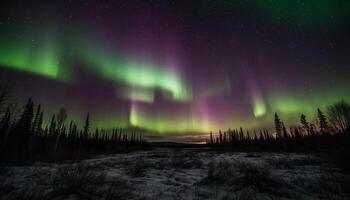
42 59
142 78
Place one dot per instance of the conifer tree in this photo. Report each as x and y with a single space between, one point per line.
25 122
87 125
211 137
278 126
61 119
36 120
70 129
304 123
241 134
323 121
40 123
52 129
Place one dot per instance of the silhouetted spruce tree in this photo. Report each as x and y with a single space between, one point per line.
323 121
241 134
36 120
120 136
232 137
211 137
312 130
22 131
70 128
61 119
40 123
304 123
278 126
60 127
96 134
24 124
285 137
87 126
52 129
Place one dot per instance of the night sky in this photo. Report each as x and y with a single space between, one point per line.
178 67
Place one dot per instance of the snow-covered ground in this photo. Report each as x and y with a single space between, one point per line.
178 174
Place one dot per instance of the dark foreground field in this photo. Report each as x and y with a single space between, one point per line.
179 174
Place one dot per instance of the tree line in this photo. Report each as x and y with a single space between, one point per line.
331 130
24 138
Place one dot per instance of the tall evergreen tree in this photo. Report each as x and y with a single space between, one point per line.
278 126
87 125
304 123
40 123
241 134
22 132
70 129
211 137
312 130
61 119
323 121
24 124
36 120
52 129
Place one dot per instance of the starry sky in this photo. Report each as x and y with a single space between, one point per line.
178 67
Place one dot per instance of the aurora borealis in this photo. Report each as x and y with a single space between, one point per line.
178 67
